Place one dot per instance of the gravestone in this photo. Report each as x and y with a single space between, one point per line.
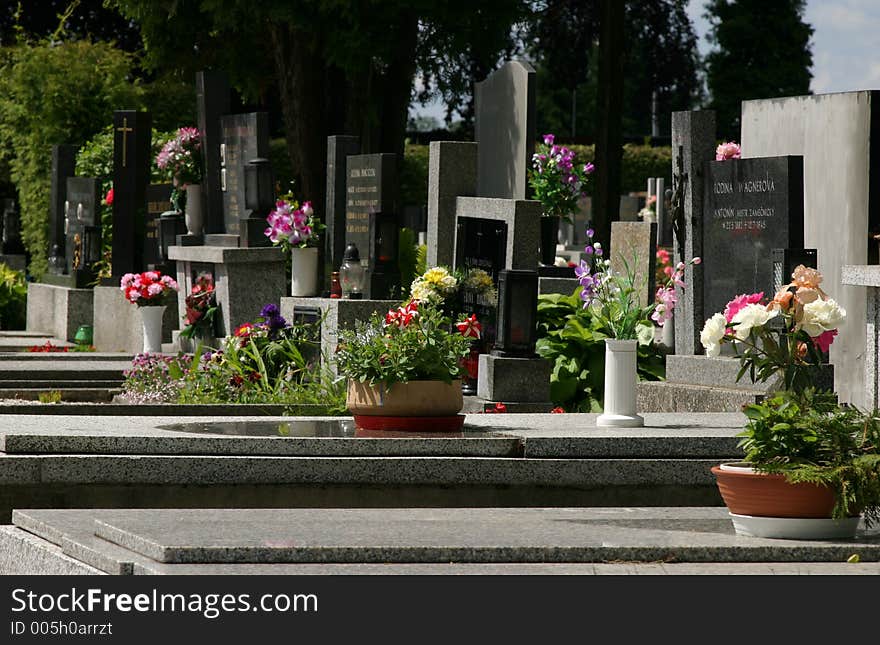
11 229
158 202
452 172
629 208
521 218
131 176
212 101
82 229
243 137
481 244
505 130
750 206
339 148
633 248
63 166
371 218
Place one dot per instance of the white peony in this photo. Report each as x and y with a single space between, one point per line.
752 315
713 332
821 316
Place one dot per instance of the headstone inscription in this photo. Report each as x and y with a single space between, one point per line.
212 101
158 202
481 244
63 166
505 130
131 176
751 206
82 229
243 137
371 218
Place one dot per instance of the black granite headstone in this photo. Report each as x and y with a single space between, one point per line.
82 229
243 137
158 202
212 101
63 166
751 206
339 148
481 244
131 176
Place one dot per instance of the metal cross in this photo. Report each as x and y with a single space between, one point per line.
679 181
124 130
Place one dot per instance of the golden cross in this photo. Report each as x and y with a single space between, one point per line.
124 130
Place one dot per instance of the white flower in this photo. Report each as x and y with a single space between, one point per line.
713 332
422 291
821 316
752 315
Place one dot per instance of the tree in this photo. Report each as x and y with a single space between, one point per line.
762 51
76 19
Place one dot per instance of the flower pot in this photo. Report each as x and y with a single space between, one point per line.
619 407
304 272
417 406
151 319
549 238
766 505
193 215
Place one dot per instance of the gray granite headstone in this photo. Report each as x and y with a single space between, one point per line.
505 130
131 175
212 101
82 226
522 218
693 143
633 247
243 137
629 208
481 244
751 206
63 166
370 187
452 171
339 147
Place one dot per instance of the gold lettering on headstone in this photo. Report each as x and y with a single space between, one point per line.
124 130
77 251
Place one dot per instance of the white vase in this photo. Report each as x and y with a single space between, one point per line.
193 214
304 272
151 318
619 409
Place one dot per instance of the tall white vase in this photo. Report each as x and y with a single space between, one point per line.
619 410
193 214
151 318
304 272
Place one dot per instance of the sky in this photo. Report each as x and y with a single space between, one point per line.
845 48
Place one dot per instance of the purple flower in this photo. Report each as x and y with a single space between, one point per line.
590 233
269 311
548 139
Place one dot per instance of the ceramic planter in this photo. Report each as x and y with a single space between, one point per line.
766 505
151 319
619 406
415 398
304 272
193 215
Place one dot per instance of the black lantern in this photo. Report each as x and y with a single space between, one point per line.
259 188
785 261
517 328
171 224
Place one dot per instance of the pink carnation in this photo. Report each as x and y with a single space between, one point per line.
728 150
823 341
734 306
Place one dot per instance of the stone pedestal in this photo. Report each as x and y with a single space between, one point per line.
868 276
565 286
118 326
245 279
59 311
506 379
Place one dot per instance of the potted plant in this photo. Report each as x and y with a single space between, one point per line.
404 369
181 160
295 229
811 465
150 291
201 307
614 303
558 180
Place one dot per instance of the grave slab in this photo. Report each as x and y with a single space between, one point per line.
523 226
58 310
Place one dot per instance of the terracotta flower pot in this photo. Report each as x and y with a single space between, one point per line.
415 399
746 492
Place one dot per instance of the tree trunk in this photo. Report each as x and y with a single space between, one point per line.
610 108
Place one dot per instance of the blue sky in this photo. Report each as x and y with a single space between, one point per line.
845 43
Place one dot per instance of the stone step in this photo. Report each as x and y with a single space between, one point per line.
16 344
24 333
721 371
79 394
65 357
663 396
57 384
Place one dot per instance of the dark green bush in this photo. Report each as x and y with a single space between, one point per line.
13 298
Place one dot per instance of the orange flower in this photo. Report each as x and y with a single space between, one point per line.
806 277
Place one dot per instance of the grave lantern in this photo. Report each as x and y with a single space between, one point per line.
259 187
785 261
517 328
171 224
352 273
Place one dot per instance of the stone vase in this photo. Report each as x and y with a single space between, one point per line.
194 214
151 318
549 238
304 272
619 409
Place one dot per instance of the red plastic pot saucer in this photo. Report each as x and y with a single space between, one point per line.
377 424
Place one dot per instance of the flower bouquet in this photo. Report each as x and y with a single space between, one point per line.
180 160
292 225
788 336
201 307
557 179
147 289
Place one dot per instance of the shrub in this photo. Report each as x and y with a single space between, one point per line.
13 298
50 94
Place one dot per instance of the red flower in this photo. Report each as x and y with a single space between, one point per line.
557 410
243 330
108 198
470 327
499 408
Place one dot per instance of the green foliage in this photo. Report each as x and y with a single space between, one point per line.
808 437
52 94
13 298
407 255
421 259
575 342
423 347
414 175
52 396
281 166
755 59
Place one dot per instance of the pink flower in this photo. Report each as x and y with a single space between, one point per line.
734 306
727 150
666 300
823 341
548 139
